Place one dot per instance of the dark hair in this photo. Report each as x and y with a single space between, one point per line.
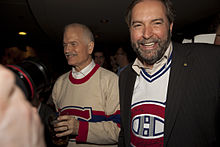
100 49
170 13
214 23
127 49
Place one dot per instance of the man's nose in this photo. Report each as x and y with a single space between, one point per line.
67 47
147 32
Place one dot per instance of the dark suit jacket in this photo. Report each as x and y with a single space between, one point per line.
192 105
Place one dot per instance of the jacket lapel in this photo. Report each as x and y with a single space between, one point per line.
180 67
128 92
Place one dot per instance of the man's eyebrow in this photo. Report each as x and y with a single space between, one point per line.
69 42
133 22
158 19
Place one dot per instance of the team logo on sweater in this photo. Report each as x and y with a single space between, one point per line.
147 125
83 113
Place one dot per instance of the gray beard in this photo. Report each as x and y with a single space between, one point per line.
158 55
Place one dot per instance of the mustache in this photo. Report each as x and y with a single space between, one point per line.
68 54
146 41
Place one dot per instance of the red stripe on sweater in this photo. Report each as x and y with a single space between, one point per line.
86 78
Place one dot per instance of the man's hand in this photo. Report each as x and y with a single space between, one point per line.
20 124
67 125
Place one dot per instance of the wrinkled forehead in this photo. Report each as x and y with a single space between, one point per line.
74 33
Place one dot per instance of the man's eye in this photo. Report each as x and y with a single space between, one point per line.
158 23
136 25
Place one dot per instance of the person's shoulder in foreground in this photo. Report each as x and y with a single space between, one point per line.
20 123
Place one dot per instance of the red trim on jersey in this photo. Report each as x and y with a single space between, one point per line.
86 114
149 109
79 112
83 131
86 78
83 113
99 113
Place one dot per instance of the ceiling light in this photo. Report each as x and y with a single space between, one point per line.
22 33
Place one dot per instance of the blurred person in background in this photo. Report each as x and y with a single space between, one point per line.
123 57
99 57
217 37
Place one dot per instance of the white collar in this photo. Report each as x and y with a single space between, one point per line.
81 74
137 65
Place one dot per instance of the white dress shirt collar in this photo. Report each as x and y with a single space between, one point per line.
81 74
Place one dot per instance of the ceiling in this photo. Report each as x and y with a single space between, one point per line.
44 20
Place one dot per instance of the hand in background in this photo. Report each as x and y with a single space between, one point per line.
20 124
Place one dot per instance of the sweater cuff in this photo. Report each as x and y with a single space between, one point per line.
83 131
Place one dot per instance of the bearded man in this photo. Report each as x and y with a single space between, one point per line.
172 96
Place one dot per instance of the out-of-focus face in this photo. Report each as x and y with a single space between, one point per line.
150 31
217 37
119 55
112 61
77 48
99 58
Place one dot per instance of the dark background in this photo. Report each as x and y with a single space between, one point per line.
44 20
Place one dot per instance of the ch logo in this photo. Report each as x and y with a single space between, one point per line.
147 126
147 123
84 113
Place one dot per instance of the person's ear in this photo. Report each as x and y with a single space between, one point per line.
90 47
171 27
